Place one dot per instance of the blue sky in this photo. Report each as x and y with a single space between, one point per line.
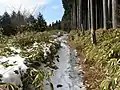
51 9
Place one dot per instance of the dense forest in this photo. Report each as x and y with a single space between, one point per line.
91 14
11 24
18 22
94 32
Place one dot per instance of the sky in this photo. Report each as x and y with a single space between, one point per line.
52 10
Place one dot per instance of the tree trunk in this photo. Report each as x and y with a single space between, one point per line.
109 8
104 15
109 14
89 14
96 7
114 18
79 13
93 35
71 17
83 31
76 14
74 17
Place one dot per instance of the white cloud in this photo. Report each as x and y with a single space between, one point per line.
56 7
29 5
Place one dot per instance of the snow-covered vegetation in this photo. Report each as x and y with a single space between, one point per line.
27 59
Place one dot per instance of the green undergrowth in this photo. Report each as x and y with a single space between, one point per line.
105 55
31 45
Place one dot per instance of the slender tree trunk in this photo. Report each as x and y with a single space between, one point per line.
91 9
80 12
109 8
109 21
71 18
74 17
93 35
78 16
83 32
85 14
89 14
104 15
114 18
96 14
85 21
100 19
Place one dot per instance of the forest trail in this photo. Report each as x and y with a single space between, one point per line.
66 77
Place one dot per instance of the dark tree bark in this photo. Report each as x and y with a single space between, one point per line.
76 14
80 12
101 13
96 7
109 13
71 17
74 17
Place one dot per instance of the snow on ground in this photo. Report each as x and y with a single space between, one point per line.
66 77
12 68
14 72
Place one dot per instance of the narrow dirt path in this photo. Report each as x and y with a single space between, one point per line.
66 77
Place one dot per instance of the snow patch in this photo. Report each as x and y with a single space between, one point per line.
13 73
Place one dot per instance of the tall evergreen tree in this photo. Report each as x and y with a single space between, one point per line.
6 24
20 19
41 23
31 19
14 19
